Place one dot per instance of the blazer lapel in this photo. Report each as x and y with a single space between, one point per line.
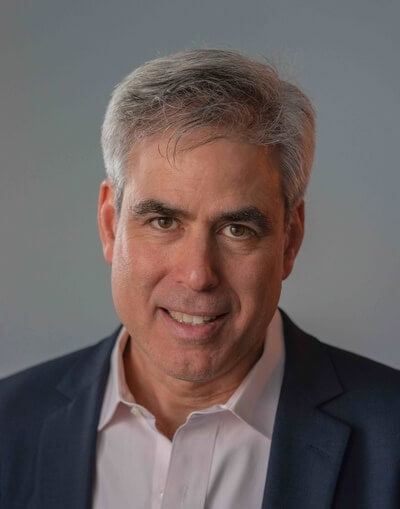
66 458
308 444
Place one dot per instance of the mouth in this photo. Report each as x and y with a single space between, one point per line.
188 319
193 327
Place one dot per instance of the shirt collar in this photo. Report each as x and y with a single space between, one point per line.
255 401
117 390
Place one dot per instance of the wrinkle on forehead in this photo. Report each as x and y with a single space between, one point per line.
196 162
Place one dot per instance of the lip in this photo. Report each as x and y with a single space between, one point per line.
203 312
193 333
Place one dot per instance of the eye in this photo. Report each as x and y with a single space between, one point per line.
164 223
238 231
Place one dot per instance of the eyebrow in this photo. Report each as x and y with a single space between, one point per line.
249 214
145 207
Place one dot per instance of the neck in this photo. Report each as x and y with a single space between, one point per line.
171 400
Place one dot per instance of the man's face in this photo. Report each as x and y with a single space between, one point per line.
198 254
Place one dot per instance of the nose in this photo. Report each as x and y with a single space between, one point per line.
196 263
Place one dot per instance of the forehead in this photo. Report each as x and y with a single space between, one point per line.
224 171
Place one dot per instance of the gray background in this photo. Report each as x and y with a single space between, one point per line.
59 62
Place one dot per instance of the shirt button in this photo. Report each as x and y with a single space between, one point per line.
135 411
161 493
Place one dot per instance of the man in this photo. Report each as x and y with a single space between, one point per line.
208 395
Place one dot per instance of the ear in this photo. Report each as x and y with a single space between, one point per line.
107 219
293 238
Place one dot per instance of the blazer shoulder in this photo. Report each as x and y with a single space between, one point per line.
34 386
356 371
353 370
367 392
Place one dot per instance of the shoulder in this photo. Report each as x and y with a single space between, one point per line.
353 370
371 394
40 375
356 371
28 391
367 391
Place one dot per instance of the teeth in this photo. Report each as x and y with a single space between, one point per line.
191 319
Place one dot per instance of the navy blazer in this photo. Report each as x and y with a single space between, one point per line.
336 441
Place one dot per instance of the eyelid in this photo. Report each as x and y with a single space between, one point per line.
249 232
153 222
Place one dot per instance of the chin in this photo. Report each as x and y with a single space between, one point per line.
192 372
193 377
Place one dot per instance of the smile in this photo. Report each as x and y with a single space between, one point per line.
190 319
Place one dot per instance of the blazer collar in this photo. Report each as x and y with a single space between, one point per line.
65 463
307 444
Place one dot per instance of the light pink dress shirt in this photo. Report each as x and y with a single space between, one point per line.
218 459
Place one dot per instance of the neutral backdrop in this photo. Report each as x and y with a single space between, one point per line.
59 63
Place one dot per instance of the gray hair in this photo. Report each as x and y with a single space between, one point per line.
221 90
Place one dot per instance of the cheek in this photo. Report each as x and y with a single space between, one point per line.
136 268
258 282
132 281
260 270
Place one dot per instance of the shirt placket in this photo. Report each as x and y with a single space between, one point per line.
160 471
190 463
